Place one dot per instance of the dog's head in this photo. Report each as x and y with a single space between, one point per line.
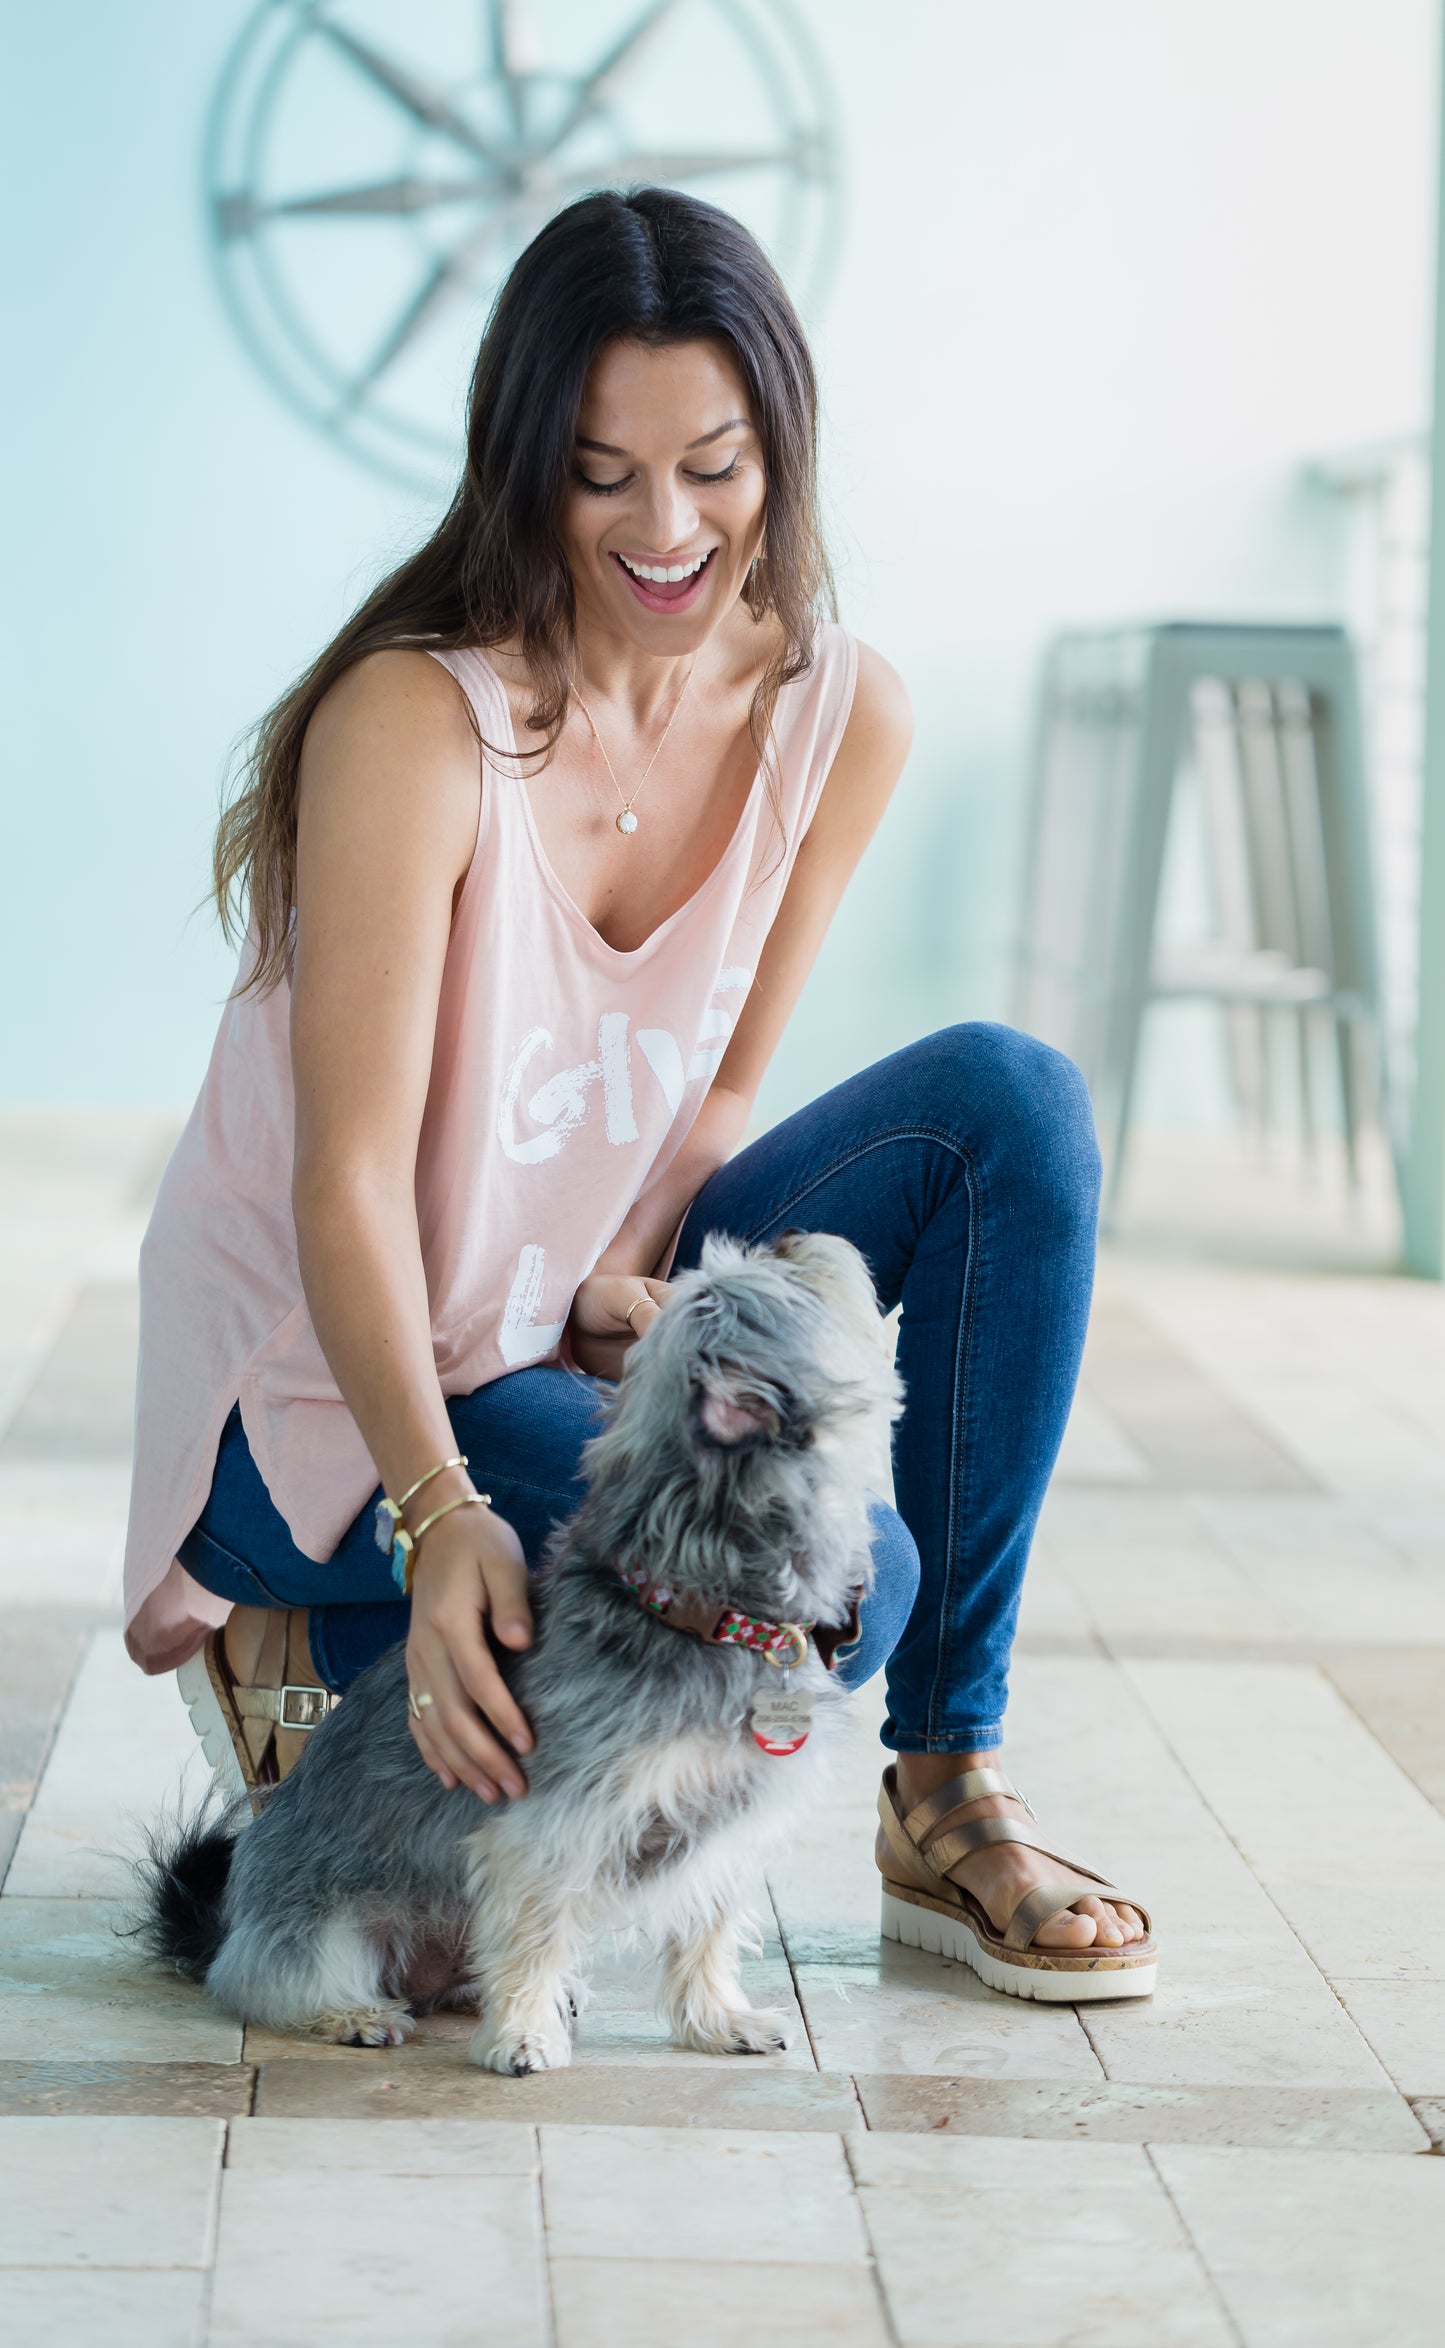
751 1410
780 1346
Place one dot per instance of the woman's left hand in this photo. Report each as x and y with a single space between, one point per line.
610 1311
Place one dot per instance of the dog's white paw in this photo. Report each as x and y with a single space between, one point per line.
744 2030
517 2049
388 2023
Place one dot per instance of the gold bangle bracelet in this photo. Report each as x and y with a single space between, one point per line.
439 1470
389 1512
408 1543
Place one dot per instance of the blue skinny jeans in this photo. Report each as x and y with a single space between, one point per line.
965 1169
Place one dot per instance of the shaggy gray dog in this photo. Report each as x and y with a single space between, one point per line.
731 1473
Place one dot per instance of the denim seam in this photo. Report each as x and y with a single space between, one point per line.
957 1450
958 1444
969 1740
520 1484
243 1565
851 1158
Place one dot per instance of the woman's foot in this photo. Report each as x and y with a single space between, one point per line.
266 1648
1000 1874
254 1696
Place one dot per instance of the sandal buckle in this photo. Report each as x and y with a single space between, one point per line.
303 1707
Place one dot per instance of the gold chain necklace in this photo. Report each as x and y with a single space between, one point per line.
627 821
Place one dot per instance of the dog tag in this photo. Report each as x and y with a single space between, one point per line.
781 1717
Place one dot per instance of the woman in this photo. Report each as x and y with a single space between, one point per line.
538 856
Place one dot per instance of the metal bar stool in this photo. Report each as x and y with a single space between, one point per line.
1271 718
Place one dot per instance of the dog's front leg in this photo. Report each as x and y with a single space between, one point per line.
702 1994
524 1952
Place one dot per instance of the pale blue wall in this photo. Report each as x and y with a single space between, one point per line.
1111 274
176 544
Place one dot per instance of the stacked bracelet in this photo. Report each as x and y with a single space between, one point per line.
405 1545
389 1512
392 1537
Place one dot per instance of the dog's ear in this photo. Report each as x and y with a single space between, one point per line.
835 1272
729 1416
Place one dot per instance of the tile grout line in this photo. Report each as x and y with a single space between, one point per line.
46 1348
798 1992
1216 2291
1205 1373
1204 1369
873 2267
208 2285
1203 1647
1208 1807
1308 1953
549 2310
1352 1707
61 1711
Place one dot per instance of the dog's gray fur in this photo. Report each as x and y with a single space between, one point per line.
733 1463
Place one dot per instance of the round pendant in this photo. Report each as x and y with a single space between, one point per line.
627 821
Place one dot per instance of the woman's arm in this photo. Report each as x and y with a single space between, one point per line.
859 786
389 808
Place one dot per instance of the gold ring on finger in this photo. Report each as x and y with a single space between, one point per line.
636 1301
417 1705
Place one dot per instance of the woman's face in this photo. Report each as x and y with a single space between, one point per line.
667 477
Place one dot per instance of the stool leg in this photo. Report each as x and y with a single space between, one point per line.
1309 1124
1347 1053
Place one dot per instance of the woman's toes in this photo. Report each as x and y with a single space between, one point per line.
1110 1931
1069 1931
1132 1922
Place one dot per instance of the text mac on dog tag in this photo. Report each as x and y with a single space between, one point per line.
781 1717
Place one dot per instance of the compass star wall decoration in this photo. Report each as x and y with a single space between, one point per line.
373 168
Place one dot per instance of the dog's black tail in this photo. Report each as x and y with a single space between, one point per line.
179 1919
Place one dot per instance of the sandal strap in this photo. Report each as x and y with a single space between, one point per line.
948 1843
1047 1900
971 1785
293 1706
903 1852
975 1834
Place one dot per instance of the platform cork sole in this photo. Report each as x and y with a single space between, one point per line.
208 1719
918 1922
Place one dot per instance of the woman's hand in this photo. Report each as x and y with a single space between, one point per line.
469 1572
599 1328
161 1640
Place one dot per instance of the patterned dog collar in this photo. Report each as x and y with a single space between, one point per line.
721 1626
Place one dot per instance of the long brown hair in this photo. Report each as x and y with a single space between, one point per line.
654 267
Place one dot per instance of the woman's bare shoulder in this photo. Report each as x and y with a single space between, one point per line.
882 708
400 695
390 767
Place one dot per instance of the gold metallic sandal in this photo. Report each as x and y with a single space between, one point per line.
924 1907
254 1733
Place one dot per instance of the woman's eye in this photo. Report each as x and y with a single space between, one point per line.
610 488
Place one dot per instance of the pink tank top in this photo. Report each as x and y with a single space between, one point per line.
566 1073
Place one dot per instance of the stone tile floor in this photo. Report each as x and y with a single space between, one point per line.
1228 1692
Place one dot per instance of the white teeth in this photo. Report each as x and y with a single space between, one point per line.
668 573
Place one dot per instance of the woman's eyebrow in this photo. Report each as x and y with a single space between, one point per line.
604 448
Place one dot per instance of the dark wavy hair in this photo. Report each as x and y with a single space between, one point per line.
653 267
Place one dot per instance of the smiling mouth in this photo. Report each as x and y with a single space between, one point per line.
666 587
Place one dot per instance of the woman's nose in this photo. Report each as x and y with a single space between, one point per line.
671 514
